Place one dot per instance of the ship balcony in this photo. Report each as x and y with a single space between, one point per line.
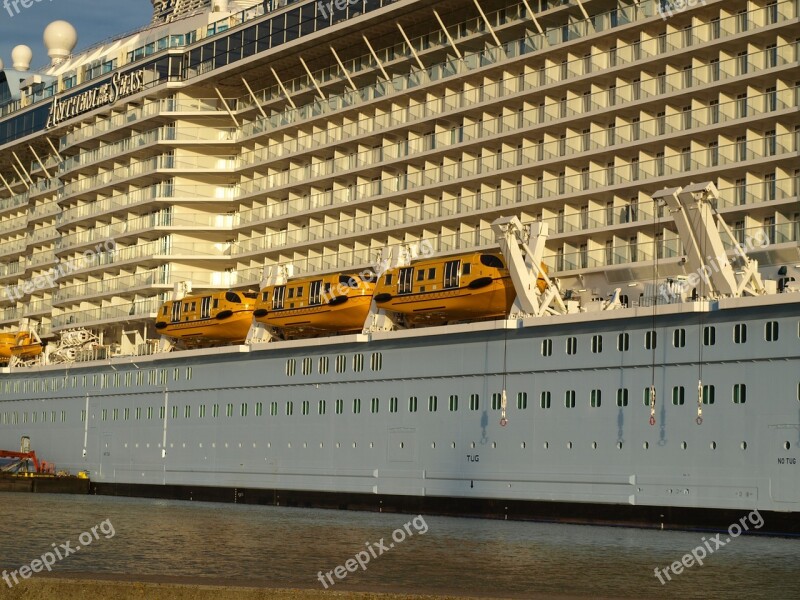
135 145
148 197
147 171
42 234
50 163
143 310
14 202
41 259
155 280
37 308
172 107
10 272
158 223
43 186
14 249
10 315
43 211
10 226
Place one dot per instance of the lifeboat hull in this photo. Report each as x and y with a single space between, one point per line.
492 300
232 329
343 314
26 351
7 341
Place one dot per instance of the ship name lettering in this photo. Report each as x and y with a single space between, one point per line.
787 461
473 457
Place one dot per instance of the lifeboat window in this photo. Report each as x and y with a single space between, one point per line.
421 275
194 306
490 260
277 296
314 292
291 293
186 307
176 311
388 279
404 283
299 292
431 273
232 297
349 281
164 310
250 295
205 307
452 273
265 296
466 268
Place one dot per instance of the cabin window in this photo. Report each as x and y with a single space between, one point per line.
339 406
375 406
323 365
321 407
453 403
740 333
185 307
708 394
341 363
393 404
650 340
452 274
358 362
277 297
474 402
597 344
522 400
233 297
497 400
490 260
376 361
404 283
412 404
187 412
229 409
356 406
569 399
739 393
314 293
544 399
289 408
205 308
306 407
291 367
771 331
194 306
709 335
679 338
201 410
547 347
176 312
273 409
623 342
433 404
259 408
622 397
215 411
595 398
572 345
678 395
307 366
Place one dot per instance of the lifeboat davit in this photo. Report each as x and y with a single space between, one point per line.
335 303
214 317
432 291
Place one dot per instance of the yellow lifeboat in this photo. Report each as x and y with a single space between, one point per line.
26 345
214 317
456 288
7 341
317 304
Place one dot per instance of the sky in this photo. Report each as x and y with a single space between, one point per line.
95 20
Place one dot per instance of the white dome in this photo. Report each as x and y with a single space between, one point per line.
60 39
21 57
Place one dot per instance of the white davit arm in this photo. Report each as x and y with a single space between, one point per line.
525 267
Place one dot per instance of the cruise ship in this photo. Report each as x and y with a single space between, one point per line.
571 229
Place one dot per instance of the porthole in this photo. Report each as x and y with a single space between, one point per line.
433 445
402 445
619 445
269 445
713 445
594 445
321 445
372 444
338 445
683 445
453 445
522 445
786 445
569 445
354 445
744 445
494 444
472 445
646 445
546 445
